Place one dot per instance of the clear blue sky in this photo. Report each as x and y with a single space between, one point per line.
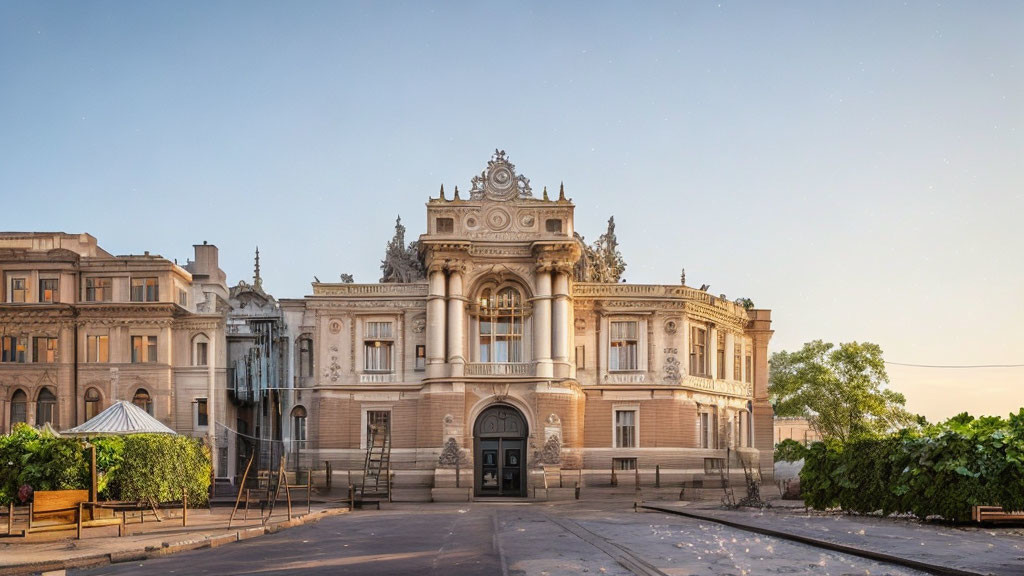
856 167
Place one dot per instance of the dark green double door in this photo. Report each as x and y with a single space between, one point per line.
499 457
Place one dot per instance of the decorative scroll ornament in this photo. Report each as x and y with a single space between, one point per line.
500 181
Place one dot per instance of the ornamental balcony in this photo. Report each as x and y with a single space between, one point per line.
500 369
376 377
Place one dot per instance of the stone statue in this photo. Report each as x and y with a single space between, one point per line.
401 263
347 278
601 262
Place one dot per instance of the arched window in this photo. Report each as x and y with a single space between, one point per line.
501 325
299 424
143 400
92 403
46 407
19 407
200 348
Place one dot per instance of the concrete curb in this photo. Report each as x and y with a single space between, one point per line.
869 554
167 548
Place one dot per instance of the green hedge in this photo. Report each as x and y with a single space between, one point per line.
789 450
941 470
132 467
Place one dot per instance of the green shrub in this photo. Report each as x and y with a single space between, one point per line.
134 467
941 470
789 450
158 466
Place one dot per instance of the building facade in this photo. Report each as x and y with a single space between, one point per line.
498 344
503 359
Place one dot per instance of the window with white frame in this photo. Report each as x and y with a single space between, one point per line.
698 351
49 290
145 290
202 414
707 423
421 357
143 349
182 298
500 325
378 345
623 345
97 348
98 289
44 350
378 426
18 290
625 427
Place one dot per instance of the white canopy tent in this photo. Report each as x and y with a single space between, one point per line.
119 419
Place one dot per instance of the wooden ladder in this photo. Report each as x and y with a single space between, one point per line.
376 484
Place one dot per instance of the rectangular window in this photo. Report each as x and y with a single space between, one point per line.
19 292
445 225
377 347
97 349
12 349
202 416
625 429
707 423
720 356
698 351
581 357
553 225
98 289
624 463
143 349
182 298
750 368
201 353
44 350
378 425
145 290
48 291
623 353
421 357
305 357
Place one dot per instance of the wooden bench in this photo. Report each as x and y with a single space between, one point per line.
995 514
65 510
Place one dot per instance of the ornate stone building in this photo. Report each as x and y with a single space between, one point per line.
503 360
81 328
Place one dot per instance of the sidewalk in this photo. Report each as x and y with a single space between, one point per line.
98 546
935 548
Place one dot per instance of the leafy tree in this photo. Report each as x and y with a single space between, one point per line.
789 450
840 390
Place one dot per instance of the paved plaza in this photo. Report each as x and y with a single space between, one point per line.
601 537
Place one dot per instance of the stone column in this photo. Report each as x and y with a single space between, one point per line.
560 327
713 352
730 355
542 323
436 324
211 404
456 322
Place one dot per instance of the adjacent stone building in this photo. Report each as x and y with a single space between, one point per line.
81 328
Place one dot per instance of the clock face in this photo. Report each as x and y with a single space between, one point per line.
502 182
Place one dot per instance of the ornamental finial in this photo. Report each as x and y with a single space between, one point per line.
257 282
442 192
561 191
546 193
456 194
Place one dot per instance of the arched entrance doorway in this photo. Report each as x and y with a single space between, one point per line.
499 452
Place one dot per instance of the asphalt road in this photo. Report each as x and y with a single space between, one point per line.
495 539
